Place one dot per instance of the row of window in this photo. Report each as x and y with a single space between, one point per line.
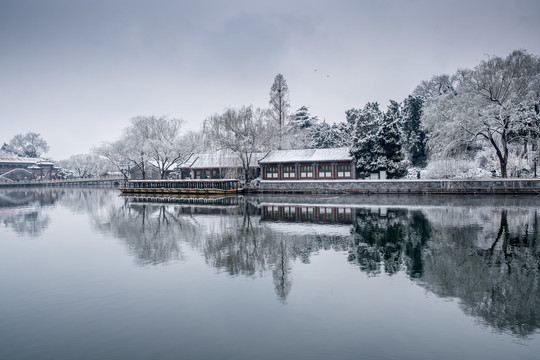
294 213
306 171
208 174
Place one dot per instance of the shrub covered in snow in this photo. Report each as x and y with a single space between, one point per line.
454 169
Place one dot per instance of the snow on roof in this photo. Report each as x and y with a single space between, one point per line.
45 162
218 160
307 155
190 160
19 160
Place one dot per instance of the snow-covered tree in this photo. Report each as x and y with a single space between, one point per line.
163 140
389 151
117 154
30 144
365 124
376 140
324 136
495 104
149 140
85 165
342 134
242 131
6 150
302 119
414 136
320 136
438 85
296 134
279 104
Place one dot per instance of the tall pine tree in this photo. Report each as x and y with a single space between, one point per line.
279 105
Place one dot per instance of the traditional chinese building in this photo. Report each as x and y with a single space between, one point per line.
308 164
14 168
218 166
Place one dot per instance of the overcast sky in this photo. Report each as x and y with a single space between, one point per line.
77 71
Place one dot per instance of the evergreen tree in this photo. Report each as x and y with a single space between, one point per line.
302 119
365 124
414 137
324 136
389 148
320 136
341 134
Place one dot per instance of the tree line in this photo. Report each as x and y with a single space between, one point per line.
485 119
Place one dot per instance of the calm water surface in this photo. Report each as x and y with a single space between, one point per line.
87 274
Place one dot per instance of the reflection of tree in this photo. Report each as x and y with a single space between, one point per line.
238 246
417 235
28 197
22 210
281 272
498 283
491 266
94 201
393 238
242 245
493 269
151 232
27 222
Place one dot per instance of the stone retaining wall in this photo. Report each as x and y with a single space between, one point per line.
485 186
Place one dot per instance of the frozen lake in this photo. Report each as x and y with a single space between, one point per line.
87 274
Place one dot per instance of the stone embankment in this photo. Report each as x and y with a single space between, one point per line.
422 187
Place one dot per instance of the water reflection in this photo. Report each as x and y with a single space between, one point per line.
487 258
492 268
22 210
389 240
485 255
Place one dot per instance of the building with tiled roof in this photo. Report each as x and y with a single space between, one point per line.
219 165
308 164
15 168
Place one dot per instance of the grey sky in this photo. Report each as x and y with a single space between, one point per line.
77 71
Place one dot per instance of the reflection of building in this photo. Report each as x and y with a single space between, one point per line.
218 166
307 213
210 201
14 168
27 198
22 212
308 164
